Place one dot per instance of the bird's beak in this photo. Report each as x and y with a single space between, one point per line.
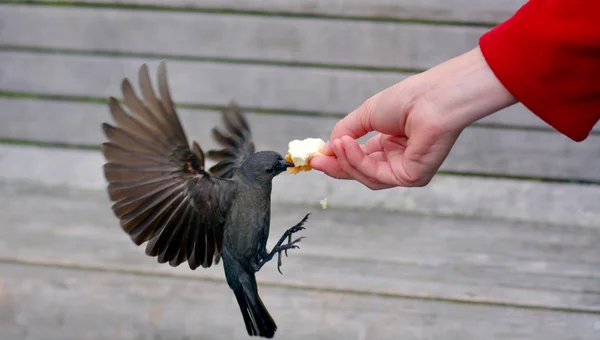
283 165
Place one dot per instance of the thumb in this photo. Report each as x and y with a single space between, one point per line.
352 126
356 124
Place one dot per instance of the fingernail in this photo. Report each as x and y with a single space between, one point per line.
337 147
326 149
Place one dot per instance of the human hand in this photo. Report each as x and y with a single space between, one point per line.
418 121
411 145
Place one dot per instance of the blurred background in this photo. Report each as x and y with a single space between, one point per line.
503 244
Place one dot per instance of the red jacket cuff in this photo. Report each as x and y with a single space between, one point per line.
548 57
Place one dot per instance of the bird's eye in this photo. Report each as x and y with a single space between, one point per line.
269 170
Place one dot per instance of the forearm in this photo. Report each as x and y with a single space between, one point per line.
464 89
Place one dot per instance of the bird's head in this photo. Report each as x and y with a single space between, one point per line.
261 167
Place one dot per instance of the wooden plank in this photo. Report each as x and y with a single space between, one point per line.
56 303
367 252
478 150
378 44
511 200
487 11
306 89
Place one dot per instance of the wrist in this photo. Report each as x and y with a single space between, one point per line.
464 90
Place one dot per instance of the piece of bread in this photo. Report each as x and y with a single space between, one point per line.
300 152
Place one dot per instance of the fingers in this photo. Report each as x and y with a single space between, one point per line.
373 170
346 166
373 145
327 150
330 166
370 167
357 158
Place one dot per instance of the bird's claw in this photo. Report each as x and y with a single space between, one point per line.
285 251
298 227
284 248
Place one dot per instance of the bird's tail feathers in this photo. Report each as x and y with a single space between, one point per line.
256 317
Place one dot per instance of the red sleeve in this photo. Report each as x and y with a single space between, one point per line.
548 57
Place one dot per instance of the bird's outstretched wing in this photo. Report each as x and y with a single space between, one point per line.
161 190
236 142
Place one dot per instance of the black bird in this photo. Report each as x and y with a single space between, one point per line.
164 195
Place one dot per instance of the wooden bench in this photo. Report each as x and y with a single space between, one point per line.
502 244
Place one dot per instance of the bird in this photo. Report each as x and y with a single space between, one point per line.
163 194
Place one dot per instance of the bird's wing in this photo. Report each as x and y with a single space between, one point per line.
161 190
236 142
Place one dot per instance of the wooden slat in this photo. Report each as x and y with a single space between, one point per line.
52 303
511 200
306 89
479 150
383 253
412 46
487 11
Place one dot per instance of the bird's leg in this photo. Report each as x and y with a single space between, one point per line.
280 247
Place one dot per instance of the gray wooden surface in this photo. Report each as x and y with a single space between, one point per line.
478 150
54 303
236 36
482 11
452 196
264 86
248 37
421 256
473 255
212 83
471 260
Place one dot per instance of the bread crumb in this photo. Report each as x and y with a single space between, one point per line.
323 203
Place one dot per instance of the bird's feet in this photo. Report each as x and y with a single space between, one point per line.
281 247
292 230
284 248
